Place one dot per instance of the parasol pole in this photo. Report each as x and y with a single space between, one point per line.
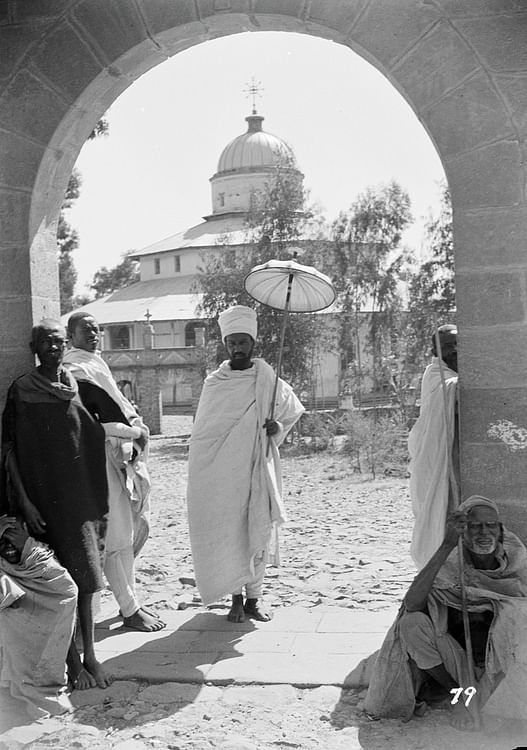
455 493
280 349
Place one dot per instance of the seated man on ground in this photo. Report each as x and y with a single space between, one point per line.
426 646
38 600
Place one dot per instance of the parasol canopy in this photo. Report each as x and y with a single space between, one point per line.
288 285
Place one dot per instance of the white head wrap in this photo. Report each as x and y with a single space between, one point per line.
474 500
238 319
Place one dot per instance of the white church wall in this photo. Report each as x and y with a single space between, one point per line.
233 192
166 267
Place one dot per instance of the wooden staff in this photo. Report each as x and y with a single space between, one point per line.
280 350
455 493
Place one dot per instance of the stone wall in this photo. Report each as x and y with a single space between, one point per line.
461 65
147 369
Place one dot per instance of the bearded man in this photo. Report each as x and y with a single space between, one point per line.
425 649
234 482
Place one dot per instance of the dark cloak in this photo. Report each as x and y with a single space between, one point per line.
61 458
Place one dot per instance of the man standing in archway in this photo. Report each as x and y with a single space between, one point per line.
234 485
126 447
432 438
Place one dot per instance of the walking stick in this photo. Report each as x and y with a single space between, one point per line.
455 493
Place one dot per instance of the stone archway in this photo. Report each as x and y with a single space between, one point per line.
462 66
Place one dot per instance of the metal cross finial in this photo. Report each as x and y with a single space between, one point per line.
148 315
254 89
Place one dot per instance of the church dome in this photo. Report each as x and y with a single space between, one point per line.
254 150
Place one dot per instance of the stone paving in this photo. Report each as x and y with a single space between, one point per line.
199 651
303 647
204 683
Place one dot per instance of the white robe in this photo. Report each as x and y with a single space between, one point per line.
128 481
234 482
429 445
35 637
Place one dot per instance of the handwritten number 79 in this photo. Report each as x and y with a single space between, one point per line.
470 692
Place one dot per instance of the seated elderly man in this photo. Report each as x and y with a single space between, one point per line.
38 601
425 648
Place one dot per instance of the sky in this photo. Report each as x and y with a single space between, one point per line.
348 126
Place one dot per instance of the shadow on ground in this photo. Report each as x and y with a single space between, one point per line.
168 671
433 731
173 665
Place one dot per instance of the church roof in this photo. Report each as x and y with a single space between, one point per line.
164 298
231 230
254 150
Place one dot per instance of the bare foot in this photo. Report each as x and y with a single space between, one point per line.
82 680
257 611
144 621
97 672
236 612
462 718
154 615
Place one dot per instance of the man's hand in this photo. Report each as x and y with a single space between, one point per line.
271 427
417 595
142 440
34 520
18 536
455 527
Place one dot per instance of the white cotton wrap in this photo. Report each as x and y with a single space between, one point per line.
234 487
429 446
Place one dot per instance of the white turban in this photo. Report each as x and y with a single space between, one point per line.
475 500
238 319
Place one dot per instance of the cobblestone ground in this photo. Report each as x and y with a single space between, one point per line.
345 545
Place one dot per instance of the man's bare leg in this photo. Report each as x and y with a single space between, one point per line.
462 717
236 612
90 663
257 611
78 676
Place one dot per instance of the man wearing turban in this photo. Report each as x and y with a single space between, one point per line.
425 647
234 483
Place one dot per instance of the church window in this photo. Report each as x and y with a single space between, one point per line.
120 337
194 334
221 197
177 263
157 265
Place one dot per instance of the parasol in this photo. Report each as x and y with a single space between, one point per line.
289 286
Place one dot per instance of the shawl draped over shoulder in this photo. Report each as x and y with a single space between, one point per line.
59 450
127 475
234 482
35 636
502 591
428 447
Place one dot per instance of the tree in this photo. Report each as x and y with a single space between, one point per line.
369 267
67 242
279 219
432 286
67 237
107 280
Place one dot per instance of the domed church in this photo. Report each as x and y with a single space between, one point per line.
164 295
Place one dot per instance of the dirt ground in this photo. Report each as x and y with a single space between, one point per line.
346 544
